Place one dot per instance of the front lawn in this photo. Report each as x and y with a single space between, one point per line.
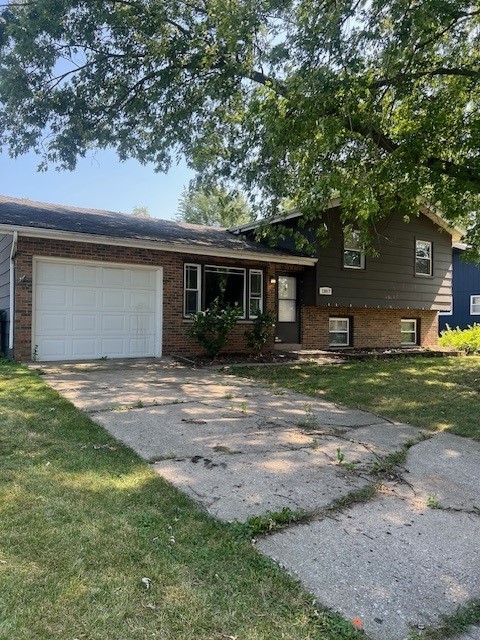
434 393
95 546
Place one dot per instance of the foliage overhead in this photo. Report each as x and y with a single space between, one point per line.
376 101
215 207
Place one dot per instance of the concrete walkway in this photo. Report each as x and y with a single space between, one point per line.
239 448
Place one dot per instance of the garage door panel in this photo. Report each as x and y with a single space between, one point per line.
113 300
92 311
83 347
113 323
52 297
84 322
52 322
84 298
113 277
142 301
84 275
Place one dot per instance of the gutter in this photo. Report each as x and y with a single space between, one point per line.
13 253
158 245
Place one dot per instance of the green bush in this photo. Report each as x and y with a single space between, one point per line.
210 328
260 333
467 340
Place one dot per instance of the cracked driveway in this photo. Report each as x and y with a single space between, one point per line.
240 449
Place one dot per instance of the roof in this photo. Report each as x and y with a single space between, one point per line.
436 216
45 220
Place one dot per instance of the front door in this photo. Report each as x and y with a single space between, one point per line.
288 321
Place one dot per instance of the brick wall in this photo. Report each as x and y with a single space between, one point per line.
175 340
372 328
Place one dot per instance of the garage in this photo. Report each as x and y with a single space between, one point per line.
85 310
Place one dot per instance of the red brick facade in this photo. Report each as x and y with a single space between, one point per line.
175 340
371 327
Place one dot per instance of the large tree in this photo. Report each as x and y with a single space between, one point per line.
376 101
215 207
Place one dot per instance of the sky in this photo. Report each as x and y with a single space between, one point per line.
100 181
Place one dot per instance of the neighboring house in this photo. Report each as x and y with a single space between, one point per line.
350 299
86 284
465 308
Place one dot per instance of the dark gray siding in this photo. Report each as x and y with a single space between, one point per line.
5 248
388 280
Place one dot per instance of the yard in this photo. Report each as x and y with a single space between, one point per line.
440 394
94 545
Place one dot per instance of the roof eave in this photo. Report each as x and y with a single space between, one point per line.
56 234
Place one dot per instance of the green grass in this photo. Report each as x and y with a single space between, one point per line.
440 394
83 520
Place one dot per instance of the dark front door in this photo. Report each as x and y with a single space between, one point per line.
288 321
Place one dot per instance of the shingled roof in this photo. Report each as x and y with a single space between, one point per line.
28 216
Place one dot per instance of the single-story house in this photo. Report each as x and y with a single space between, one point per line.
465 308
86 284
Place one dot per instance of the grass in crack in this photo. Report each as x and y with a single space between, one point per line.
359 496
450 626
387 465
270 522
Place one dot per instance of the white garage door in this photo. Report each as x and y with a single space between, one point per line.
87 310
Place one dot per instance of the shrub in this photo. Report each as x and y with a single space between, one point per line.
260 333
467 340
210 328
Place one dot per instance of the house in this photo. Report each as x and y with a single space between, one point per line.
465 308
83 284
389 299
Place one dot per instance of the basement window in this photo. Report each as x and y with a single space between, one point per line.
339 334
409 332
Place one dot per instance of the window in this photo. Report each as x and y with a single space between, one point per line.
353 254
287 299
232 286
475 305
423 258
191 299
255 304
339 332
409 332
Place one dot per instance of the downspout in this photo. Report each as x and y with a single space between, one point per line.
13 253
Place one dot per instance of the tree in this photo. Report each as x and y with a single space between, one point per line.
215 207
141 212
376 101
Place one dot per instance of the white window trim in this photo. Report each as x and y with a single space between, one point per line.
198 289
472 312
347 333
250 298
409 344
424 275
361 252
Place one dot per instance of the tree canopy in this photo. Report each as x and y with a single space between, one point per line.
375 101
215 207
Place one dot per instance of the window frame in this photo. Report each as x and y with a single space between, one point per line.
352 233
423 275
247 297
198 290
257 272
348 333
473 304
416 325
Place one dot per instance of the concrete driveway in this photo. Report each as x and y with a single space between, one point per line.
239 448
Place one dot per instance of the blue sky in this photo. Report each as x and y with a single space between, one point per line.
100 181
